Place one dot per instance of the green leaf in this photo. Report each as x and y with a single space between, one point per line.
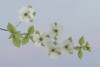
42 44
71 52
31 38
70 38
87 44
55 24
55 43
80 54
55 38
34 13
26 34
77 48
48 36
11 36
81 40
25 40
37 32
31 20
59 53
84 48
89 49
29 6
11 28
18 34
31 30
16 41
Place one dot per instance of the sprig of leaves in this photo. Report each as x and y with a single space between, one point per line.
82 47
28 35
15 35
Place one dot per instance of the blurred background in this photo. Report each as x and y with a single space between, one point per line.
79 18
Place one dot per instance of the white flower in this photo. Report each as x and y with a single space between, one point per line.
67 47
56 30
52 50
26 14
40 39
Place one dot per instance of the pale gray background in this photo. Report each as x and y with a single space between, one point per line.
79 17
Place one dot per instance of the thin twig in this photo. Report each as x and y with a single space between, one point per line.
15 27
3 29
18 24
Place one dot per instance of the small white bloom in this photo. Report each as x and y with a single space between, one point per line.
26 14
56 30
67 47
40 39
52 50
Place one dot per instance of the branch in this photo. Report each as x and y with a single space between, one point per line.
15 27
3 29
18 24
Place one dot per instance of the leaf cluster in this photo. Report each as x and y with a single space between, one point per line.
85 47
17 37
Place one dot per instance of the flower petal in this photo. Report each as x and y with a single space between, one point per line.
65 52
53 55
37 44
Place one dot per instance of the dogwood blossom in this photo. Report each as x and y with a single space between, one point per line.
52 50
56 30
50 41
40 39
67 47
26 14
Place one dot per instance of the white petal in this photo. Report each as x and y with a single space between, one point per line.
66 42
46 41
70 48
52 26
47 51
51 45
26 20
31 10
58 36
21 18
65 52
53 55
60 27
31 17
43 34
35 37
22 10
52 34
63 44
37 44
58 49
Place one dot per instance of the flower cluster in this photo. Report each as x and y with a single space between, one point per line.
53 49
48 40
